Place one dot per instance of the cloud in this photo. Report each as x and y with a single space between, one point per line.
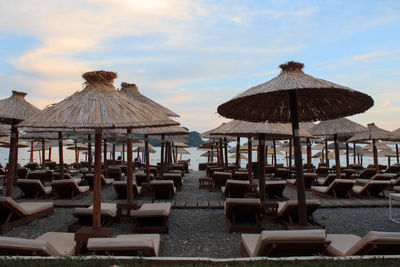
371 55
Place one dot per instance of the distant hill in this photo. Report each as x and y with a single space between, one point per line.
194 139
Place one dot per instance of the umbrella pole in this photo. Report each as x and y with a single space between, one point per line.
326 153
375 156
354 152
11 160
146 149
347 155
261 164
237 165
129 192
162 154
249 162
274 143
221 153
113 150
266 156
97 180
397 153
105 157
31 155
40 157
226 153
90 152
337 159
211 157
388 161
76 152
44 154
49 154
301 197
123 153
60 155
308 154
290 153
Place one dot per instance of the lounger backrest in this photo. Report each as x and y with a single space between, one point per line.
330 178
220 178
141 178
236 188
247 205
65 187
120 189
377 243
239 175
367 173
341 182
291 243
375 187
7 205
31 187
383 176
22 246
122 246
290 208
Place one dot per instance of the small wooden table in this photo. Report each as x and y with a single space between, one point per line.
124 210
86 232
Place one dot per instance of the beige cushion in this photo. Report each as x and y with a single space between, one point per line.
249 242
362 181
321 180
223 189
34 207
107 209
156 238
340 243
267 183
23 244
321 189
152 209
371 237
283 206
291 181
230 181
357 189
108 181
84 189
63 243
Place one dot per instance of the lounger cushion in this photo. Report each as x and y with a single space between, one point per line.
249 242
34 207
107 209
340 243
22 244
371 237
46 189
282 206
152 209
64 243
361 189
267 183
156 238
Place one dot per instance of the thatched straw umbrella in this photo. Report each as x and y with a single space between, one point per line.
337 127
99 106
295 97
374 133
12 111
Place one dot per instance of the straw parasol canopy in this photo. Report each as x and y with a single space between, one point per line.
294 96
378 145
180 145
181 150
242 156
208 154
132 91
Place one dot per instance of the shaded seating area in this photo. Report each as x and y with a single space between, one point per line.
151 218
85 216
370 189
339 188
68 188
284 243
48 244
120 188
33 189
13 214
162 189
235 188
243 214
126 245
288 212
373 243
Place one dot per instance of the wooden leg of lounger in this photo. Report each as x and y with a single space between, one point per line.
334 194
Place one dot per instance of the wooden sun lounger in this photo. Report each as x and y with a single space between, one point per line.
288 212
13 214
104 182
337 189
284 243
48 244
126 245
243 214
309 179
151 218
365 174
163 189
377 177
274 189
68 188
85 216
325 181
175 177
235 188
33 189
282 173
121 186
219 178
371 189
373 243
141 178
240 175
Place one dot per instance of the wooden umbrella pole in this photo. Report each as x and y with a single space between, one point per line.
11 160
290 153
301 197
76 151
44 154
308 154
326 153
105 157
162 154
397 153
388 161
123 153
129 192
274 143
266 156
113 150
221 154
237 165
31 155
347 155
354 152
97 180
261 164
375 156
212 154
61 155
337 159
250 160
49 154
147 153
226 153
90 153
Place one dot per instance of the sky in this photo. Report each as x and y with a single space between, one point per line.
192 56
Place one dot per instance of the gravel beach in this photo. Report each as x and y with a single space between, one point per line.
203 232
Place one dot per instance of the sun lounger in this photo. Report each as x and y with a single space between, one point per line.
337 189
114 172
151 218
163 189
141 178
33 189
325 181
235 188
243 214
373 243
219 178
365 174
68 188
309 179
67 176
175 177
121 186
126 245
288 212
48 244
282 173
21 172
377 177
274 189
371 189
13 214
85 216
322 170
393 169
284 243
104 182
240 175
